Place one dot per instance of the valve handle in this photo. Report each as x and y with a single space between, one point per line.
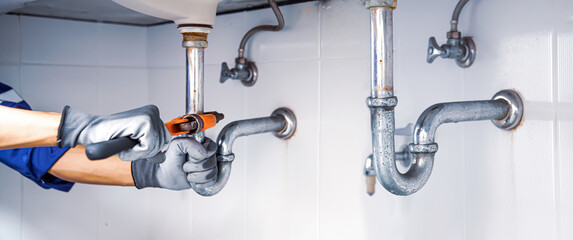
225 73
434 50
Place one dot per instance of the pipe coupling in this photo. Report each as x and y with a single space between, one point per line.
423 148
226 158
380 3
386 103
194 44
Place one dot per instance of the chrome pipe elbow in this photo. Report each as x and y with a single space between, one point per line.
282 123
505 110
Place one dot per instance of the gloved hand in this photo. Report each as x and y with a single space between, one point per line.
142 124
186 161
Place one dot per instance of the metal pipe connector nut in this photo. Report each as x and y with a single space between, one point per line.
388 102
226 158
194 44
423 148
380 3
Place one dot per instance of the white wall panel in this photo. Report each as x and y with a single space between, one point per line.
51 214
10 75
50 88
299 40
56 41
164 47
119 45
120 89
10 203
281 175
9 39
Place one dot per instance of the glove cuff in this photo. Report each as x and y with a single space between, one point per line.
71 126
143 173
60 127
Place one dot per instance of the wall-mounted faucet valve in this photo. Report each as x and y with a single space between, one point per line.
244 70
462 49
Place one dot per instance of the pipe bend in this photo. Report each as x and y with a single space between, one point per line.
424 148
282 122
414 179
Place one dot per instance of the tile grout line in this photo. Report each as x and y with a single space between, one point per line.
556 164
319 119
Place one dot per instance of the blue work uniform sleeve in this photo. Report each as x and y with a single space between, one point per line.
33 163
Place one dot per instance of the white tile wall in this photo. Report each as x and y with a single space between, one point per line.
10 75
119 45
282 176
565 215
126 86
564 63
10 204
56 41
49 214
486 183
299 40
9 39
164 47
50 88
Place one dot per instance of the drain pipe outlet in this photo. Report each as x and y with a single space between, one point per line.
282 122
505 110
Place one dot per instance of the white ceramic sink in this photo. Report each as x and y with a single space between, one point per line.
182 12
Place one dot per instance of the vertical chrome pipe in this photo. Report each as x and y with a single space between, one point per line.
381 38
194 42
382 100
195 81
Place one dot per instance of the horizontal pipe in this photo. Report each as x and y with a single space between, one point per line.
438 114
225 141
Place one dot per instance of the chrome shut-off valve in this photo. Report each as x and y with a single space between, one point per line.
244 71
462 49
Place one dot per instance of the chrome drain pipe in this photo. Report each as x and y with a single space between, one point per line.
194 42
505 110
282 123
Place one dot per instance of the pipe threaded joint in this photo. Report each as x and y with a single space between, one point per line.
380 3
226 158
387 102
423 148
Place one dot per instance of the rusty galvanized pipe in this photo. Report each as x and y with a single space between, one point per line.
505 110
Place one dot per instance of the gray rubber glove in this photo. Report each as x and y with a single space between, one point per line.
143 124
186 161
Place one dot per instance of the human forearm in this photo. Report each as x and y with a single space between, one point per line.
23 128
74 166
